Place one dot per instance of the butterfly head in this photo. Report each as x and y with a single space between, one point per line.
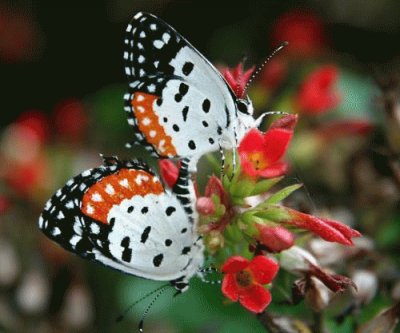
245 118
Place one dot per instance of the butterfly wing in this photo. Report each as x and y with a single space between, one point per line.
178 103
120 215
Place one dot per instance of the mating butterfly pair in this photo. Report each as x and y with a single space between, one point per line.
120 214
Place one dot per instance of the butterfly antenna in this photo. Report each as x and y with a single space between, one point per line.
122 316
141 323
259 68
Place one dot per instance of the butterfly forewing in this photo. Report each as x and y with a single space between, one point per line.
178 103
119 214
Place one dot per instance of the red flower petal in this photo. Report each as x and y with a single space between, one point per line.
248 167
252 141
214 186
255 299
343 228
316 94
275 170
329 230
276 142
263 269
230 288
234 264
169 172
237 79
286 122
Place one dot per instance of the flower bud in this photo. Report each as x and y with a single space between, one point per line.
205 206
214 241
275 238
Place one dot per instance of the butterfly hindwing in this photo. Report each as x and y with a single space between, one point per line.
120 214
174 92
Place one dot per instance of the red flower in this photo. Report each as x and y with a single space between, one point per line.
71 119
169 172
274 238
304 31
243 281
26 178
317 94
260 153
330 230
237 79
36 122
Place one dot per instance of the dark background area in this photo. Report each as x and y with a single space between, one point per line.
81 42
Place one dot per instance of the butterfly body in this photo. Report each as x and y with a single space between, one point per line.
178 103
120 215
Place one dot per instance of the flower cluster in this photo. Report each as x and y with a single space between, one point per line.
245 225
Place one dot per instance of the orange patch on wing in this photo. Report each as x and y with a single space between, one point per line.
150 126
111 190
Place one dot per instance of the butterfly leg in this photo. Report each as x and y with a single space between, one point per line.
221 152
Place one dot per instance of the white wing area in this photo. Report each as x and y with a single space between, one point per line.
161 62
160 241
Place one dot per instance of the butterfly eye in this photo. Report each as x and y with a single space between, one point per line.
242 106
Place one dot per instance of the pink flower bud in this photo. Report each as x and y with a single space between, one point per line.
275 238
205 206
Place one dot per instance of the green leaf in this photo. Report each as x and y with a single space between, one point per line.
282 194
264 185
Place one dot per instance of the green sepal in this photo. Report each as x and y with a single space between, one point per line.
273 213
264 185
242 188
280 195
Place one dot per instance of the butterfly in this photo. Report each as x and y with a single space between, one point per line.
121 215
178 103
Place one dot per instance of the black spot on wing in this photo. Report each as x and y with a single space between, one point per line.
127 252
183 89
206 105
186 250
170 210
185 112
145 234
192 145
187 68
157 260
